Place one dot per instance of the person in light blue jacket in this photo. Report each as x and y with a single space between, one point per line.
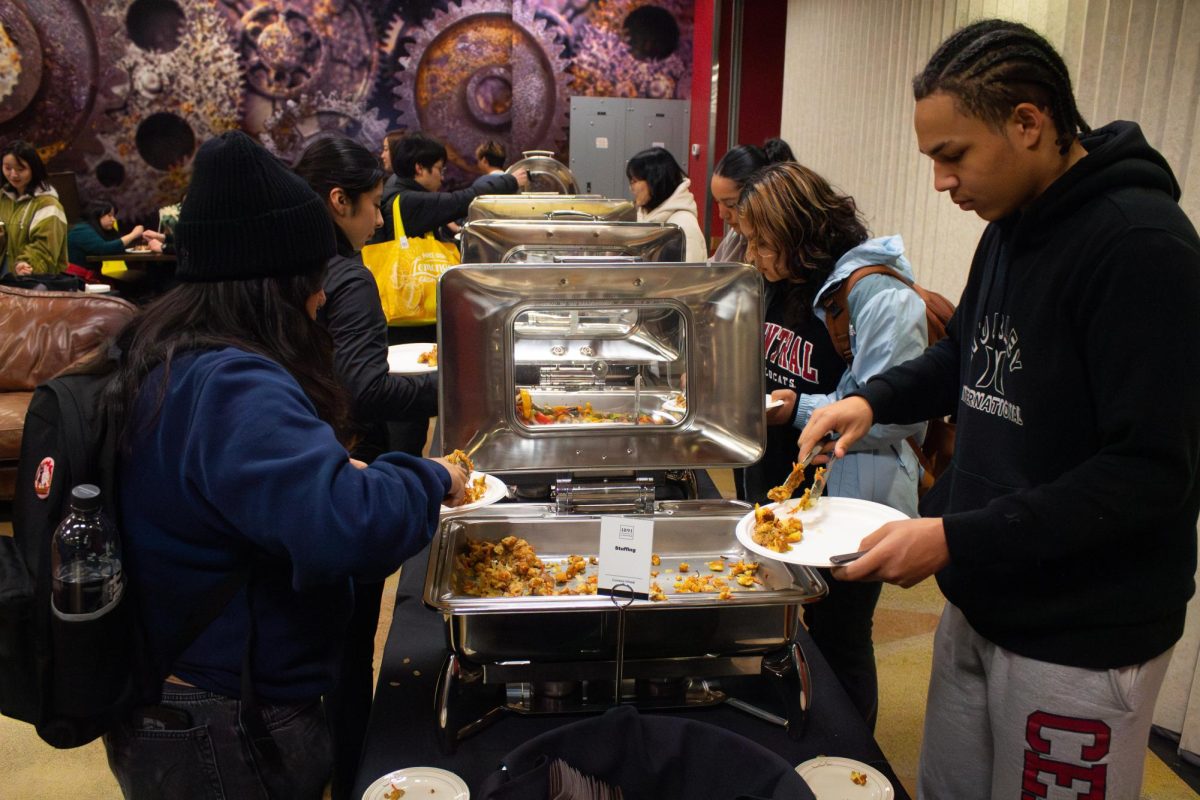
806 239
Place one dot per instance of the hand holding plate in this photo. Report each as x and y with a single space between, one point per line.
458 482
904 553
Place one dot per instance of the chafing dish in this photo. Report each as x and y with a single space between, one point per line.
546 173
668 359
551 206
523 241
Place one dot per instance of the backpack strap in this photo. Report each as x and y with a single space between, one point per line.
837 306
837 321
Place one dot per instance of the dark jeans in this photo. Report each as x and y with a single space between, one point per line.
841 626
191 745
349 704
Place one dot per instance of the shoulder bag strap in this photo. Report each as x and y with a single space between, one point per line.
397 223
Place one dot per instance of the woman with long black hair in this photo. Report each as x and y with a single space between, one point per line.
234 456
662 193
729 176
347 177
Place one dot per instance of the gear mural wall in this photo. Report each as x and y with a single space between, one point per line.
122 92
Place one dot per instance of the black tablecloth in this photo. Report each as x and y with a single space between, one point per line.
402 730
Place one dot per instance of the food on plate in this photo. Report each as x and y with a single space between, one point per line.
393 792
477 486
428 357
784 492
532 413
511 567
138 248
774 533
858 778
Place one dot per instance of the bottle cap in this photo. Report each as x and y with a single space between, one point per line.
85 497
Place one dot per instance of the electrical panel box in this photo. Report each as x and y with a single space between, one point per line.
607 131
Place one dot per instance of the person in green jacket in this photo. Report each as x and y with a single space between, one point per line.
97 235
34 220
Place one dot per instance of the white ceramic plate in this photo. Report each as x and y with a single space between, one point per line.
835 525
829 779
496 491
425 783
773 403
402 358
97 288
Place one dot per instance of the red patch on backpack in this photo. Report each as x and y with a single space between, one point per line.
43 478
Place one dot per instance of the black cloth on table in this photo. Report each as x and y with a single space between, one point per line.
403 733
657 757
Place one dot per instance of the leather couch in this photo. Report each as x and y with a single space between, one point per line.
41 335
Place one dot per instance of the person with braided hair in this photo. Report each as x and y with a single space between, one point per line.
1063 533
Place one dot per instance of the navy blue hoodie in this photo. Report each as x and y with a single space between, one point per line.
1073 365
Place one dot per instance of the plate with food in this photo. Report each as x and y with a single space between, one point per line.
482 490
140 248
412 358
426 783
796 534
676 403
833 778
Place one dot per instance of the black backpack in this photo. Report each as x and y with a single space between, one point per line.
69 679
75 680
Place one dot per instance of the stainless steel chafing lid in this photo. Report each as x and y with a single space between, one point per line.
551 206
600 367
546 173
523 241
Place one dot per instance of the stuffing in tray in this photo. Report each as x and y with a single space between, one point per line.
511 567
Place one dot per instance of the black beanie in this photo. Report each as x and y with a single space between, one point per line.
247 216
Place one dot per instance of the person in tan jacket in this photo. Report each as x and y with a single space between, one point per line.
663 193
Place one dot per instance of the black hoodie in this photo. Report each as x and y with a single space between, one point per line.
1073 365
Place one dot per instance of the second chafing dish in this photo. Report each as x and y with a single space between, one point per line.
527 241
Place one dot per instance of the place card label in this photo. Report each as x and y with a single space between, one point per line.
626 545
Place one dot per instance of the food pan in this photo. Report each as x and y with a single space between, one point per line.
583 627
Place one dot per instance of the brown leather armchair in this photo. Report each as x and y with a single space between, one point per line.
41 335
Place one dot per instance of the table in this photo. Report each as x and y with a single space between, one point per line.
402 732
136 260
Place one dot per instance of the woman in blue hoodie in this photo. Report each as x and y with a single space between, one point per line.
234 460
806 239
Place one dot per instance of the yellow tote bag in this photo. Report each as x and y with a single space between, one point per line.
406 271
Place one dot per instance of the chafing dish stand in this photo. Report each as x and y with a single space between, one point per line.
403 729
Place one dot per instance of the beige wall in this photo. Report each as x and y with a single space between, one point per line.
847 99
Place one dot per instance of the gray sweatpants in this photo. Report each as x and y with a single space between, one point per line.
999 725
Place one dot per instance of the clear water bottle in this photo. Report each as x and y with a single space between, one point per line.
85 559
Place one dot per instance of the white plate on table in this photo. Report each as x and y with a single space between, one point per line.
402 358
419 783
496 491
833 526
829 778
97 288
